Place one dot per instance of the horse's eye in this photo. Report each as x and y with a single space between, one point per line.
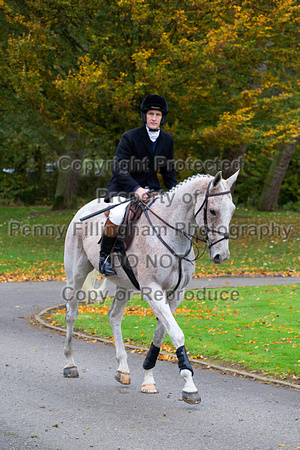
212 212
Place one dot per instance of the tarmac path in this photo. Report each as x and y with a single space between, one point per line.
39 408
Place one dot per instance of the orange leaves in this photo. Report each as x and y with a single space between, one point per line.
92 310
53 322
37 272
166 357
167 348
138 311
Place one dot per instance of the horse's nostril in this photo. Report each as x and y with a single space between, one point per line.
217 258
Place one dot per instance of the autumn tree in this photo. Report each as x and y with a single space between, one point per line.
227 69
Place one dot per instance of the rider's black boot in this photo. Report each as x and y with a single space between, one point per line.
107 243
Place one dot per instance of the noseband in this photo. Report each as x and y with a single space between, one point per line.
204 207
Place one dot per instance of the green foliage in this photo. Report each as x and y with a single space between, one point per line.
26 171
17 188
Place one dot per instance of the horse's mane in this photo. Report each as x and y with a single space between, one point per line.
187 180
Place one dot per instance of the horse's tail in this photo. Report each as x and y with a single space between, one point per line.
94 292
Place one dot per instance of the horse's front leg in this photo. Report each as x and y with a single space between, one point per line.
149 386
115 314
163 312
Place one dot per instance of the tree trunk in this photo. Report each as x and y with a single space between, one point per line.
68 173
275 176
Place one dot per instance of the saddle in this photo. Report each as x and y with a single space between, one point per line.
133 212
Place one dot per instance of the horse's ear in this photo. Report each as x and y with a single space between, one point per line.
233 178
216 180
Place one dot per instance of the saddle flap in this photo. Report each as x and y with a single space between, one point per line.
127 229
133 212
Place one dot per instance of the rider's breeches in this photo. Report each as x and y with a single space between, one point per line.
116 215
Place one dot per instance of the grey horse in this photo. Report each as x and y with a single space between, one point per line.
163 263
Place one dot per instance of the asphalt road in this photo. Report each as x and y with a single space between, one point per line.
39 408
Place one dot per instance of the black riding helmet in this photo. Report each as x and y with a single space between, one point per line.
155 102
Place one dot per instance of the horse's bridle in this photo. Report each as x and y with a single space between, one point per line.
190 237
206 228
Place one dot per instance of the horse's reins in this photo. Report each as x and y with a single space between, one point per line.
190 237
145 209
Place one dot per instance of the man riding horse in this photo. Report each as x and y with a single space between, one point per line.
140 154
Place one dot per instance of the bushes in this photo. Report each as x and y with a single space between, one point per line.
25 188
33 188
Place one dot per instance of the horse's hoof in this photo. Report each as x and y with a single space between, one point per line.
191 397
149 388
122 377
71 372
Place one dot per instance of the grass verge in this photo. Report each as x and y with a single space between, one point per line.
32 244
258 330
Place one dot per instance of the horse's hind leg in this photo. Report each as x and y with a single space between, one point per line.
115 314
77 269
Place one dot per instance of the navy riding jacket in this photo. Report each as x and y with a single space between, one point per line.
138 160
